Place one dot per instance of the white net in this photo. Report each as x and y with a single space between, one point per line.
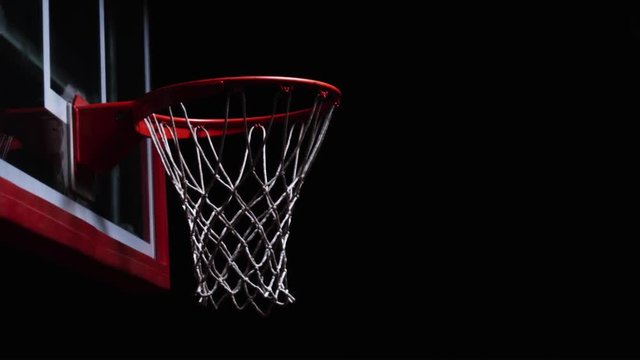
238 192
5 145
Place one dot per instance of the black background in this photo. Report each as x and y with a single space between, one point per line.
459 206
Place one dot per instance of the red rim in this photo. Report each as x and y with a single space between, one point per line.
97 125
164 97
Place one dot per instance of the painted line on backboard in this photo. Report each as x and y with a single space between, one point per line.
28 183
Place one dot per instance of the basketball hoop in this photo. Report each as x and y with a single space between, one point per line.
237 151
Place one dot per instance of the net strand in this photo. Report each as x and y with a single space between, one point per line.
239 214
5 145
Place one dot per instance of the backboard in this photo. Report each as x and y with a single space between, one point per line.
51 51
